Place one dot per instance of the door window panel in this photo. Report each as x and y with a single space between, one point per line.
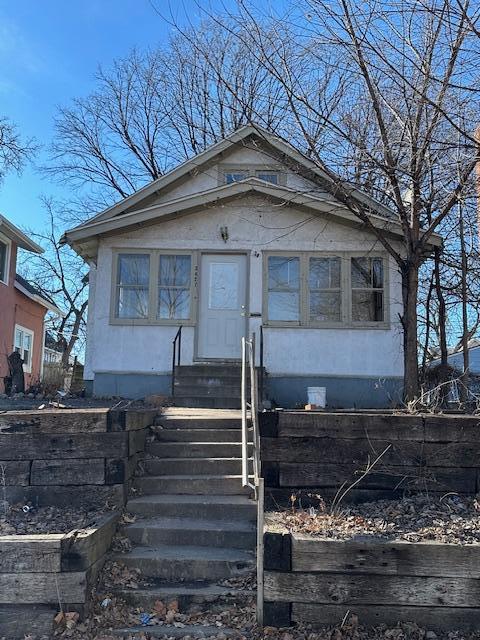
223 285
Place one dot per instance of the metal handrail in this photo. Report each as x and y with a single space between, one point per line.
261 388
176 354
254 481
250 401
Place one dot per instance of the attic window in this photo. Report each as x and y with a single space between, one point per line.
268 176
234 176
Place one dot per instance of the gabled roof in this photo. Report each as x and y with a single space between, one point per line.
18 237
35 294
179 206
121 216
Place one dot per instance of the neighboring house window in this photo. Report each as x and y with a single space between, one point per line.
312 290
23 343
234 176
367 289
284 288
268 176
133 281
174 283
325 292
4 259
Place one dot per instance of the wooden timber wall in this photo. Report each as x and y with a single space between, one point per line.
320 582
36 571
321 451
47 455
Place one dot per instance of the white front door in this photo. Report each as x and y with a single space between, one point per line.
223 300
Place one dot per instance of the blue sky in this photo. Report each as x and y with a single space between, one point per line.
49 52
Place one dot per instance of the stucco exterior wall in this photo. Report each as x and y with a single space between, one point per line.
254 226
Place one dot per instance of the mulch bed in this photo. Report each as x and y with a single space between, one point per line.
450 519
25 519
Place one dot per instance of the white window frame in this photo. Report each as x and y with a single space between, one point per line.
8 242
153 289
346 321
252 171
24 330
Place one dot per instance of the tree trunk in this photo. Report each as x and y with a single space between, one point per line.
465 333
409 322
442 313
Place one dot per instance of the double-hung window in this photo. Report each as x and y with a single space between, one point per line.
324 289
284 288
4 259
314 290
133 283
174 283
23 343
152 287
367 289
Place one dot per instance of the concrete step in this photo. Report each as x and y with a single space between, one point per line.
209 380
203 507
195 466
171 631
185 531
180 563
207 402
194 449
195 389
203 421
209 370
186 594
196 435
191 485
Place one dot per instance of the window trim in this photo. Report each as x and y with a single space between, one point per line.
251 170
346 291
8 242
31 333
153 287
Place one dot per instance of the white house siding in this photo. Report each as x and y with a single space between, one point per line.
358 366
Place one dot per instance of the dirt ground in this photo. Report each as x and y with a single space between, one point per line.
449 519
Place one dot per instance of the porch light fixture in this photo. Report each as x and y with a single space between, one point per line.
224 233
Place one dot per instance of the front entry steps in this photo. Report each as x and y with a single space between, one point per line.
216 386
195 525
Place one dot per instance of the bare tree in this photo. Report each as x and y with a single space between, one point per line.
14 151
63 277
406 71
371 90
153 110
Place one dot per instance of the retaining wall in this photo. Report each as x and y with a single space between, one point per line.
321 582
322 451
47 455
39 574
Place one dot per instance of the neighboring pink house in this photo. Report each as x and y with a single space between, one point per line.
22 307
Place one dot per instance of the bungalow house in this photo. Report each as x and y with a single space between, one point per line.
22 307
246 237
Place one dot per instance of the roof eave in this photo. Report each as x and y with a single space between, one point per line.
39 299
18 237
81 235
